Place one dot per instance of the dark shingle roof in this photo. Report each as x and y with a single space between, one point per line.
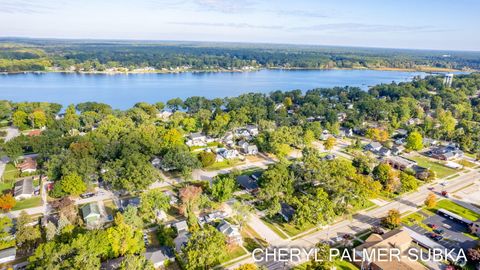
24 186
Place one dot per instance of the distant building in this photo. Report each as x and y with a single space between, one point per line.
446 153
36 132
231 232
197 139
373 147
28 165
448 79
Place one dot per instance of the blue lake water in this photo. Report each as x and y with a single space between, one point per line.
122 91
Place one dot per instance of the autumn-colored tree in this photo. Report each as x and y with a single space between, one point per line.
7 202
248 266
329 143
190 196
392 220
431 200
377 134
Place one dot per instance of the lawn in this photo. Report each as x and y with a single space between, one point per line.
10 172
344 265
233 253
466 163
251 239
457 209
28 203
224 164
437 167
274 228
6 185
416 219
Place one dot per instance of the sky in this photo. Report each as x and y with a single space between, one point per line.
415 24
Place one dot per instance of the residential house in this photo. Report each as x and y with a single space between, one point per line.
247 182
397 150
91 215
286 211
400 163
385 152
28 165
227 153
164 115
346 132
231 232
446 153
325 135
375 243
181 240
159 256
196 139
430 142
400 141
161 215
23 188
156 162
373 147
248 149
181 226
132 202
173 199
252 130
341 117
8 255
33 133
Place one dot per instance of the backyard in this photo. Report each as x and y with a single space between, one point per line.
435 166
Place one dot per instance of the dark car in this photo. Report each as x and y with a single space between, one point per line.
438 231
433 226
87 195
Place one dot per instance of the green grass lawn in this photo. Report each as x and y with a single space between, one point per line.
466 163
437 167
28 203
416 219
224 164
10 172
457 209
251 239
233 253
344 265
274 228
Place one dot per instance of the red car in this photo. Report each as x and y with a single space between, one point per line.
433 226
445 194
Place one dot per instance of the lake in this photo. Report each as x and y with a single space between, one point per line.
121 91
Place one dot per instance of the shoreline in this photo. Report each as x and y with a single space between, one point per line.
421 69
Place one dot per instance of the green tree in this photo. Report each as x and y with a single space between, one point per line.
71 119
204 249
313 209
71 184
223 187
329 143
20 119
207 158
6 239
180 158
135 262
124 239
27 236
408 182
38 119
414 141
151 201
132 218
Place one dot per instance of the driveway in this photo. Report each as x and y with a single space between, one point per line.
11 133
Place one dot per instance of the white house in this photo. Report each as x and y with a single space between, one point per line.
23 188
231 232
253 130
196 139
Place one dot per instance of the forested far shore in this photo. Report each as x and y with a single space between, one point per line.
20 55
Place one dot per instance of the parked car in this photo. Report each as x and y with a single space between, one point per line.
435 236
87 195
433 226
445 194
438 231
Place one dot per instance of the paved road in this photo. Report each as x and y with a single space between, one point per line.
366 219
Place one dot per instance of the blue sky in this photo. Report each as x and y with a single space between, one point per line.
422 24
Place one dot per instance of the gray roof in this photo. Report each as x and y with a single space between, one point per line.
181 226
287 211
181 240
24 186
375 145
159 255
8 252
91 208
247 182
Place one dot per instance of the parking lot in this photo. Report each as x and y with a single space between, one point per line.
453 236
